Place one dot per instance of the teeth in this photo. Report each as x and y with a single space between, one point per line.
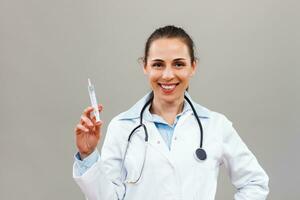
168 87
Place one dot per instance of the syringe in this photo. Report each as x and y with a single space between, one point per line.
93 99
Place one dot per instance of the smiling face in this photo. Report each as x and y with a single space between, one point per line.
169 69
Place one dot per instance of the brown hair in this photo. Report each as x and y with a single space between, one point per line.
170 31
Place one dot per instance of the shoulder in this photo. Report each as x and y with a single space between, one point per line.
129 117
134 112
211 115
120 123
219 118
218 126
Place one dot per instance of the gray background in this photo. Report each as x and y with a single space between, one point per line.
248 70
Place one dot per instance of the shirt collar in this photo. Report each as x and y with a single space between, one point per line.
156 118
134 111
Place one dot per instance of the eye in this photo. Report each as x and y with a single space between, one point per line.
157 65
179 64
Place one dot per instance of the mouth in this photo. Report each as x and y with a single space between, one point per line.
168 88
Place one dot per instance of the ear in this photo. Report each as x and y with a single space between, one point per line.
142 63
194 67
145 68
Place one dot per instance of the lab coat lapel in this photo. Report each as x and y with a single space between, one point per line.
157 142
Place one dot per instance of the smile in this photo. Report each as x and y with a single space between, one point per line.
168 88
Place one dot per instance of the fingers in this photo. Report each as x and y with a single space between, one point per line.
97 124
88 123
84 120
88 110
100 107
80 128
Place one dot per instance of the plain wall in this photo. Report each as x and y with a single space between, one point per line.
248 70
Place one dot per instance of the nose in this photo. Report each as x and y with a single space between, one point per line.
168 73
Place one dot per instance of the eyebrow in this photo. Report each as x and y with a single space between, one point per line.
160 60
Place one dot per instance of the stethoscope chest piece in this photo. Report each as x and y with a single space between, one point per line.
201 154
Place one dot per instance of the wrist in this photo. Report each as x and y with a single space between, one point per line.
83 155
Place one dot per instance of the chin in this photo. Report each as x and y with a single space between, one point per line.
168 97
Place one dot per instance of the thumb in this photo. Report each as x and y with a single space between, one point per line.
98 126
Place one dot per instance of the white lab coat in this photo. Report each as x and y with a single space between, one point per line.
172 174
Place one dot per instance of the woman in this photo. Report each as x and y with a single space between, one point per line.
176 146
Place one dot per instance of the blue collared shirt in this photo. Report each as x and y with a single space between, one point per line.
166 130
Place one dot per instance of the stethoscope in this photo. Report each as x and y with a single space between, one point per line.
200 153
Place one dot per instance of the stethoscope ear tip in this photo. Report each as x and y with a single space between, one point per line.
201 154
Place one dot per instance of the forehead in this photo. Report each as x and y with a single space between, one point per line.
168 48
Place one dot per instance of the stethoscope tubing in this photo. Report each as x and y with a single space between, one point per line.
200 152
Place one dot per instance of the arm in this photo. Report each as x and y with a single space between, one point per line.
250 180
101 180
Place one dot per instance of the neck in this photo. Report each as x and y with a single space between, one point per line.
167 110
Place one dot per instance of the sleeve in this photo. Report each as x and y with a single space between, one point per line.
102 180
245 173
81 166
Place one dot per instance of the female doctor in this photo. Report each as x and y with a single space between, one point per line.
165 147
